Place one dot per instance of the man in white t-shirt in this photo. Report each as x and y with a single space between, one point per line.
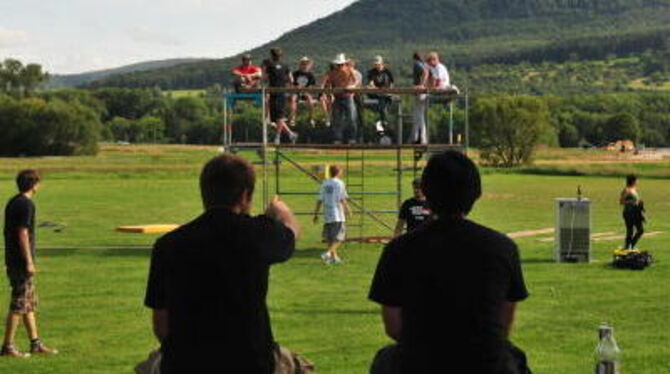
439 75
333 197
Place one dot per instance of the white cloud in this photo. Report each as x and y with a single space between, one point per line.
144 34
13 38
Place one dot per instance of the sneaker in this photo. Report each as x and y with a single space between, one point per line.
293 137
325 257
312 122
336 261
37 347
379 127
11 351
327 123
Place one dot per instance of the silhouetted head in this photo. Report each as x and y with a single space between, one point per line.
451 183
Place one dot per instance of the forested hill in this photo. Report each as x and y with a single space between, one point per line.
73 80
468 33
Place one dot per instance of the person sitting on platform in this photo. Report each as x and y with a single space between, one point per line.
344 120
420 76
303 78
475 269
381 77
333 197
247 75
278 76
414 212
439 75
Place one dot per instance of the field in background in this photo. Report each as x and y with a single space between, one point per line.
91 279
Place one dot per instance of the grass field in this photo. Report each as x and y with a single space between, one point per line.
92 279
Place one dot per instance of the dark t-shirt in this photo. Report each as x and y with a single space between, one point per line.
415 212
304 78
19 213
418 71
451 278
212 277
381 79
278 73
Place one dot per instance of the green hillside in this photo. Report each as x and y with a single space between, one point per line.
468 33
74 80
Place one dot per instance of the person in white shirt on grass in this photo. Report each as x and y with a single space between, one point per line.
334 199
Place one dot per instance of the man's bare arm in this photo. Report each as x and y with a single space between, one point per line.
507 315
345 206
317 210
24 243
160 324
392 318
281 212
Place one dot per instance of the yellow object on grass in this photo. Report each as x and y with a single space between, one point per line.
148 229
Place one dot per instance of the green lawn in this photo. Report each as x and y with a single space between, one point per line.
91 279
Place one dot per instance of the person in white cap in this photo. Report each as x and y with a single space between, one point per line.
344 124
303 78
381 77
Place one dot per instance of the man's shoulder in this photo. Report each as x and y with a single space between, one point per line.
488 236
179 235
19 202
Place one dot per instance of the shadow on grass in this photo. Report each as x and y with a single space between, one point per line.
139 251
308 253
538 261
317 311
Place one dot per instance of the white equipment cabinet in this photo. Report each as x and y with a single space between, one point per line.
573 230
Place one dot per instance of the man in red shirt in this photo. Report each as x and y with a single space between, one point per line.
247 75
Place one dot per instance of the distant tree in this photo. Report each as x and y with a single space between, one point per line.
20 80
509 128
622 126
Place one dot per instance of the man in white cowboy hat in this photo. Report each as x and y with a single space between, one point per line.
344 121
303 78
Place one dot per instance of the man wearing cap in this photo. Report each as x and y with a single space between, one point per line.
381 77
303 78
414 212
247 75
344 122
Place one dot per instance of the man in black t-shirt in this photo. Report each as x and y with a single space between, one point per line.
208 280
278 76
449 289
381 77
19 233
414 212
303 78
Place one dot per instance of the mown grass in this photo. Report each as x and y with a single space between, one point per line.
91 278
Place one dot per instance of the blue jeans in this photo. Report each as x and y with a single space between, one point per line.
344 123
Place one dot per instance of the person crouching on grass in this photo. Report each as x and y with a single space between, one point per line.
333 196
19 235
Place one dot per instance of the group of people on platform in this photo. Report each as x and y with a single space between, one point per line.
343 110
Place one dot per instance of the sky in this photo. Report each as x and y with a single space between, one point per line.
72 36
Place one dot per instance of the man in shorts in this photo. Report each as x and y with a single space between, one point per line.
333 196
279 76
247 75
303 78
19 235
414 212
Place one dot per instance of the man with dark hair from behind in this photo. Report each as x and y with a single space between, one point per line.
19 235
208 280
449 289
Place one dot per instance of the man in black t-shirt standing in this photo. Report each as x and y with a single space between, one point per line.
414 212
278 75
208 280
19 233
449 289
